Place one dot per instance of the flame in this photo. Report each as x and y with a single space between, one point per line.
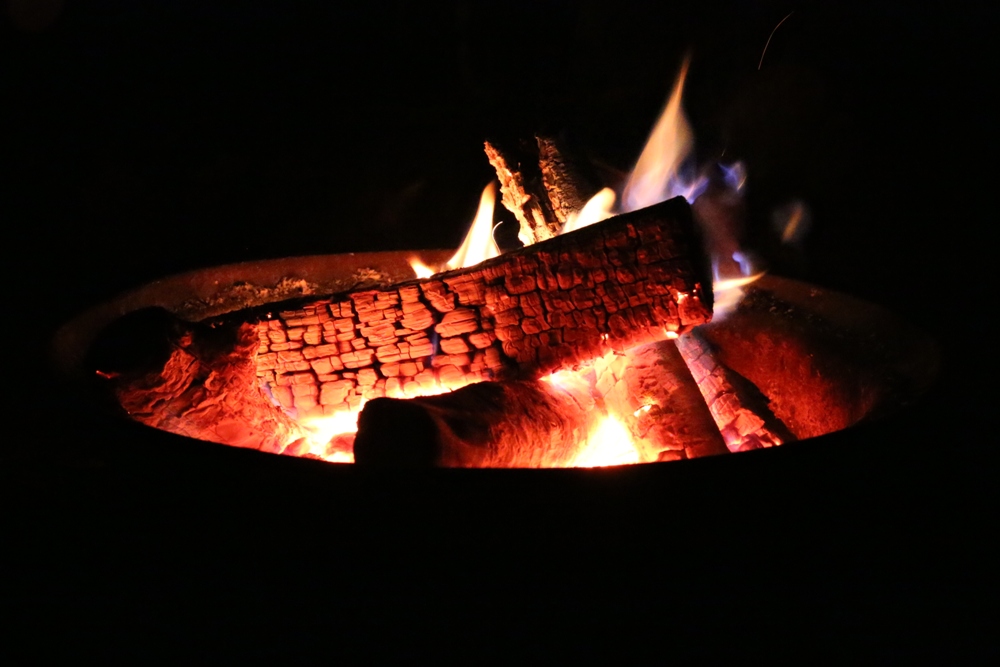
421 270
599 207
661 172
478 245
729 279
323 435
657 173
610 444
792 221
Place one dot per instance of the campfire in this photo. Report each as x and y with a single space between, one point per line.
627 329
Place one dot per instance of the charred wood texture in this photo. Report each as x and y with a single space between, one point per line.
652 391
612 286
523 192
487 425
542 183
740 410
567 179
191 379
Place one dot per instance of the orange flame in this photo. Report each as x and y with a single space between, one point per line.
478 245
599 207
655 175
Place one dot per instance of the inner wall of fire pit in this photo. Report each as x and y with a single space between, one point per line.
811 361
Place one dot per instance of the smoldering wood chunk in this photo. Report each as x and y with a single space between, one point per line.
192 379
568 180
651 390
523 191
542 182
484 425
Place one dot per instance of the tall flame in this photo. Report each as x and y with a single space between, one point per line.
478 245
657 173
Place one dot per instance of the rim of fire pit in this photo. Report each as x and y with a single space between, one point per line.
885 363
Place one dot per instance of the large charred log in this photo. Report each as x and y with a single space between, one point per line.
558 304
630 280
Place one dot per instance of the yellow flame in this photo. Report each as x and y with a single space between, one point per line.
669 143
320 431
421 270
599 207
478 245
609 445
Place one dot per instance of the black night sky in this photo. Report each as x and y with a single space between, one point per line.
147 138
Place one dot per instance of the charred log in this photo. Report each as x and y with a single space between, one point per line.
652 391
542 183
568 182
740 410
485 425
627 281
523 191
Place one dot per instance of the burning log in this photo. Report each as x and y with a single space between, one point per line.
557 304
542 185
739 409
486 425
652 391
568 182
524 195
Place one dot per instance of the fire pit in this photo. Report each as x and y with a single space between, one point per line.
589 346
805 360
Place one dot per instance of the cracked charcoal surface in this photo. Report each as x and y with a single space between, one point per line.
525 314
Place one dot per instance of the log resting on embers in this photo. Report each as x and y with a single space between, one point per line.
554 305
526 424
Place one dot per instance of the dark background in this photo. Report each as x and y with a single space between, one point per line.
147 138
